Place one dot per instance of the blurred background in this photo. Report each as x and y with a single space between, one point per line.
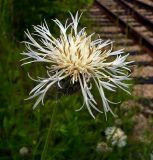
76 136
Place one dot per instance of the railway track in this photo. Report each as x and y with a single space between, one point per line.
143 3
135 23
144 14
129 24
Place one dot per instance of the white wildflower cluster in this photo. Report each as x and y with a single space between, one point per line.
116 136
76 56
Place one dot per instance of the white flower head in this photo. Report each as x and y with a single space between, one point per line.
116 136
151 156
76 56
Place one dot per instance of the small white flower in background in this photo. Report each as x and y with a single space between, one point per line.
151 156
24 151
75 56
116 136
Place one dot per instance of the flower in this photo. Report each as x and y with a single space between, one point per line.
151 156
103 147
116 136
76 56
24 151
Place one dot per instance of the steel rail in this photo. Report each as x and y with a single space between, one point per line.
141 4
127 28
138 15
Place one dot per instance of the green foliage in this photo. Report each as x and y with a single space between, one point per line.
5 18
17 16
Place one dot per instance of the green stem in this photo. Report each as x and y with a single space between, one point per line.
43 156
